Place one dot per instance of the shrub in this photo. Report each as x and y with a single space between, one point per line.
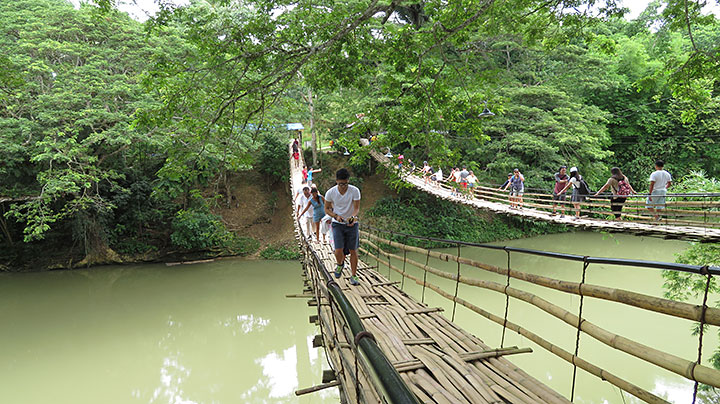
199 230
280 252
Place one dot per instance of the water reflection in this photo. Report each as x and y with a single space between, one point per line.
280 372
245 322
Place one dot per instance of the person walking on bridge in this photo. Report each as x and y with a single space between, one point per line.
296 152
561 180
471 180
305 217
317 202
620 187
342 203
660 181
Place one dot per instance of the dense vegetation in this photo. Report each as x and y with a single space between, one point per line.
420 213
121 137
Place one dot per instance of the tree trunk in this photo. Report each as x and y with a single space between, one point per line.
313 142
4 227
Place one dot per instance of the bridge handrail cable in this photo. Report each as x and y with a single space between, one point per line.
695 269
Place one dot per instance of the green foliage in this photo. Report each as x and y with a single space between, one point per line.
245 246
199 230
280 252
273 159
421 214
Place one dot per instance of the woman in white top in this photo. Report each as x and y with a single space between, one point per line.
471 180
576 197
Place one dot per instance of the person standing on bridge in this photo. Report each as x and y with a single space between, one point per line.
463 179
310 173
425 172
577 197
517 187
561 180
660 181
502 187
342 203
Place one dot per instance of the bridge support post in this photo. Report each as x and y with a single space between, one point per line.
457 283
507 300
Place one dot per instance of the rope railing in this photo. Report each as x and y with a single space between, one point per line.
704 314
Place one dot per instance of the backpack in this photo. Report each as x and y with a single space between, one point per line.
583 188
623 188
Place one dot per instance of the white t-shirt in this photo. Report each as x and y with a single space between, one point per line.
303 201
342 204
456 174
661 178
438 175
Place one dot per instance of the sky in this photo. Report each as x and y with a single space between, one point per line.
142 9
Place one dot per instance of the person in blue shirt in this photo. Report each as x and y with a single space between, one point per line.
310 173
317 202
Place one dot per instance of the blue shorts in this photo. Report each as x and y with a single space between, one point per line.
657 199
346 237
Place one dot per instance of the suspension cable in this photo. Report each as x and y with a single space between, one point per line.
580 321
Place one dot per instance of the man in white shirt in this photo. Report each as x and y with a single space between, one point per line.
342 203
660 181
301 202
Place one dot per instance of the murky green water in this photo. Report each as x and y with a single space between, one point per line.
224 332
656 330
211 333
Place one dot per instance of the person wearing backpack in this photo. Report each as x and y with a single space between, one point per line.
580 190
620 187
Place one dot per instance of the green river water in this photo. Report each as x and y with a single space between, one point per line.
223 332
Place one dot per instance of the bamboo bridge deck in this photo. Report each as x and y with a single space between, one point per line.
436 359
693 233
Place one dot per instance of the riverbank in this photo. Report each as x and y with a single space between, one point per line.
255 213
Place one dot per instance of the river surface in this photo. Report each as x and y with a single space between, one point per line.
223 332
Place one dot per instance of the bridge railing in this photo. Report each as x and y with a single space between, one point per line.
377 247
680 209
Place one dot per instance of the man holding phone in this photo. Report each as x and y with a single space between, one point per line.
342 203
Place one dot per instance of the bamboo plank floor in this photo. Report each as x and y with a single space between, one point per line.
693 233
439 361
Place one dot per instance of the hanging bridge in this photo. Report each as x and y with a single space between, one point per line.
691 217
384 346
